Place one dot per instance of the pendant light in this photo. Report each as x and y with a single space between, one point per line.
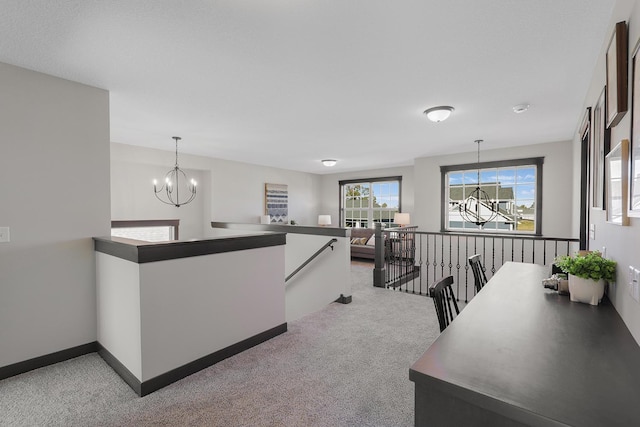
169 193
478 208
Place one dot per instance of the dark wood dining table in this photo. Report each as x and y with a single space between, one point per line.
521 354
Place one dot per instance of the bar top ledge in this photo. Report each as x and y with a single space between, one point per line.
285 228
140 252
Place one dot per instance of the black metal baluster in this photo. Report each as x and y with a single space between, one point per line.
458 268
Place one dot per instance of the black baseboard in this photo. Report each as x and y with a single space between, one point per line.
344 300
120 369
47 359
149 386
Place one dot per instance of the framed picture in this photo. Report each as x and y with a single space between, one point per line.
617 75
599 149
634 183
276 203
617 170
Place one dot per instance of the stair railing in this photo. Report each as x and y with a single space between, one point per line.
329 244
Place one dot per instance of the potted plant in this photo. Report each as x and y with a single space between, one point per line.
587 274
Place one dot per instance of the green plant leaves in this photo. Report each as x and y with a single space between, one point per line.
589 266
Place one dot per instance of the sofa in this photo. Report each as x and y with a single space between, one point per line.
363 243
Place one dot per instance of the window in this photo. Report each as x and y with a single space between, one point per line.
514 187
146 230
365 202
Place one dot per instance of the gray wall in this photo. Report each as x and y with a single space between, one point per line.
227 190
55 196
622 243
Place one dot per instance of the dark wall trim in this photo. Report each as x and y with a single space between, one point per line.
120 369
384 178
293 229
495 164
154 384
142 252
47 359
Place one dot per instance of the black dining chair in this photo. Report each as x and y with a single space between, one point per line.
479 277
444 301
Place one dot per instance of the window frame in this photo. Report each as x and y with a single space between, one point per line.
342 183
537 162
172 224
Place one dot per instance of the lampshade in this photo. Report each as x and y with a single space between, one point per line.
402 219
438 114
329 162
324 219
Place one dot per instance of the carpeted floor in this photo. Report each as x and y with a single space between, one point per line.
346 365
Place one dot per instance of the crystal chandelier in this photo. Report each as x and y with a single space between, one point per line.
169 193
478 207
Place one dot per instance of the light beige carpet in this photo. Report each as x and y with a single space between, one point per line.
346 365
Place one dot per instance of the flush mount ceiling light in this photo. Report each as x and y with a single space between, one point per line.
329 162
520 108
438 114
170 190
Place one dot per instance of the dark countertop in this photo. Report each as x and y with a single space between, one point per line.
525 352
141 252
285 228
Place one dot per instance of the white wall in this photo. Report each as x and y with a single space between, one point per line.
55 198
330 189
323 280
238 192
557 189
132 197
622 243
227 191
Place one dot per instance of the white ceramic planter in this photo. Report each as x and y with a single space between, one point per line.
587 291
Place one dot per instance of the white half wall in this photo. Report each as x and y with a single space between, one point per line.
55 198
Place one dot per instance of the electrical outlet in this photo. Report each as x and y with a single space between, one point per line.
4 235
634 283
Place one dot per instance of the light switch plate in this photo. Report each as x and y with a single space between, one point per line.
4 235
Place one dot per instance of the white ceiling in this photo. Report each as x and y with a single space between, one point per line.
286 83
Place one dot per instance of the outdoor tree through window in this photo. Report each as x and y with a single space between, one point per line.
365 202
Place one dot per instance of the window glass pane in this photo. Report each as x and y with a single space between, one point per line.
506 192
147 234
456 193
507 176
471 177
363 201
455 178
526 175
527 191
491 190
507 199
489 176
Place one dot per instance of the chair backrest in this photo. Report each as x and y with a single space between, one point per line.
479 278
444 301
